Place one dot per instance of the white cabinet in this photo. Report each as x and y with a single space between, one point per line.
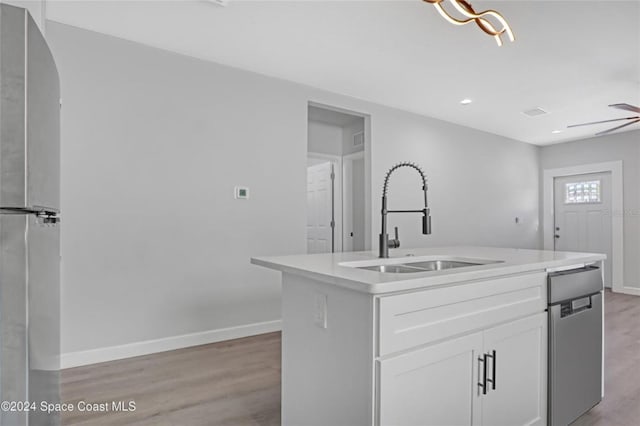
432 386
441 384
415 357
520 395
417 318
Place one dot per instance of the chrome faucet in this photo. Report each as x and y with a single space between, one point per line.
385 242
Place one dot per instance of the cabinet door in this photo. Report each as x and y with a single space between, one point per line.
436 386
520 394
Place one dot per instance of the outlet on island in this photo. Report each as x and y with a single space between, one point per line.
320 310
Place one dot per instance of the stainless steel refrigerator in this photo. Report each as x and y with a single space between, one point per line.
29 216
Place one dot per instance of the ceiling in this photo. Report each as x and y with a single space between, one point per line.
571 58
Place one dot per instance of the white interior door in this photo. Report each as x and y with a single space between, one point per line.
358 204
320 221
347 205
582 215
354 203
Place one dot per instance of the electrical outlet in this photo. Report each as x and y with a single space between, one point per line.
320 310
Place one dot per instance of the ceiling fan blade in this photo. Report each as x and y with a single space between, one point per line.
626 107
603 121
618 127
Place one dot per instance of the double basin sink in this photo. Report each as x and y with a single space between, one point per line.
419 265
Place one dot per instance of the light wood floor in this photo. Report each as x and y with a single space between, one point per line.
238 382
228 383
621 404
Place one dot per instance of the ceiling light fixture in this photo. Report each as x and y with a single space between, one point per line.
555 132
466 101
470 15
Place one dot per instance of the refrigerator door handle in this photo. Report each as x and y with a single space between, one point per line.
44 214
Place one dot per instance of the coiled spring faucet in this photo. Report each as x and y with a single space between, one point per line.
385 242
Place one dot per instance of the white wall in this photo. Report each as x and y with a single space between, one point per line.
153 243
478 183
35 7
622 146
324 138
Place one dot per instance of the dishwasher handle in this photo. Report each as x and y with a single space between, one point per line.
575 306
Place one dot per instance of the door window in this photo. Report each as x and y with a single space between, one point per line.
582 192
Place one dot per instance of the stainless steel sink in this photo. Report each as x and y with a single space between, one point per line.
422 266
393 269
439 265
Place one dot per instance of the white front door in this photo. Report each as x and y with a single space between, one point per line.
320 218
582 215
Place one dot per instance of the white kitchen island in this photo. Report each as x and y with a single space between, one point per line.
462 346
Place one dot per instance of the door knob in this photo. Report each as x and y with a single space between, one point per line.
557 236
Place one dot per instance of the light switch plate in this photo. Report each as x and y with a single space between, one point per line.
320 310
241 193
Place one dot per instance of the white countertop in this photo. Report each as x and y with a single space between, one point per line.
329 267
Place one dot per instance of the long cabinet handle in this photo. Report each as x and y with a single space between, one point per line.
483 384
492 380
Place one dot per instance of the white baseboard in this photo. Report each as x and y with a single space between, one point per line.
634 291
112 353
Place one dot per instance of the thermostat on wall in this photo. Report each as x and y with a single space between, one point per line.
242 192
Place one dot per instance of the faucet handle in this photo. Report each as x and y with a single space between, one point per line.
395 243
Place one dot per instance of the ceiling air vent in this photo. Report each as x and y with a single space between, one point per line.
219 2
535 112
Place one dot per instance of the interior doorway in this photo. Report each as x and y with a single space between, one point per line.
336 180
582 216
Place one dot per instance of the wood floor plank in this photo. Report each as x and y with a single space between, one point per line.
237 382
621 403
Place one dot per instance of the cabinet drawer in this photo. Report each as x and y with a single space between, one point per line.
413 319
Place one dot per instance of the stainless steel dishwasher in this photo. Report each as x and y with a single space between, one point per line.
575 343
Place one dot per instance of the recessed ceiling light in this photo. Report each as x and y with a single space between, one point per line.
555 132
466 101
